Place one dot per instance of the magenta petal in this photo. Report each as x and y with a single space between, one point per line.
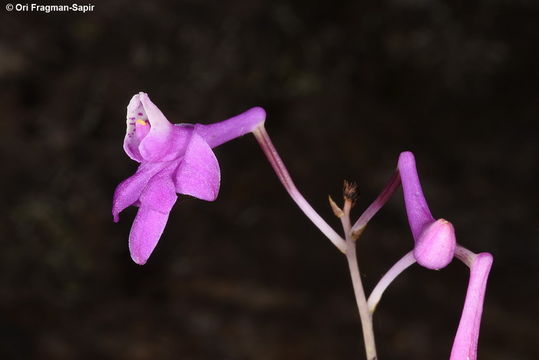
198 174
160 193
223 131
156 200
158 141
465 344
181 135
128 191
417 209
435 247
145 233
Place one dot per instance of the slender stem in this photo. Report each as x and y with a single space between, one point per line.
359 292
465 255
401 265
282 173
345 218
377 204
348 246
365 315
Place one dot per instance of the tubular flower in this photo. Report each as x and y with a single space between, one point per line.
434 239
174 159
465 344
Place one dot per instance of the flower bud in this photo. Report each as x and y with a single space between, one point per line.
435 247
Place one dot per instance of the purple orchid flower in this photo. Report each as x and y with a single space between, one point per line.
435 247
174 158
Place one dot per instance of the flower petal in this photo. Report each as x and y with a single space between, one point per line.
145 233
158 141
435 247
160 193
156 201
128 191
198 174
417 209
223 131
131 139
181 135
465 344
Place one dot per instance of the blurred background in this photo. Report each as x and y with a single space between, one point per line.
347 86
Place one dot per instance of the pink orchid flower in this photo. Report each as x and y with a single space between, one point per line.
174 159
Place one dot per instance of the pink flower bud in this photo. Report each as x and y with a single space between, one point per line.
435 247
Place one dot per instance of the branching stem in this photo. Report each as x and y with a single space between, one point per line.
359 292
282 173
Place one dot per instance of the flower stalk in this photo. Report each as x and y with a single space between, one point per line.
346 246
350 193
404 263
362 305
376 205
278 166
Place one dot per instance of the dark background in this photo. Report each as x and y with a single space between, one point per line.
347 86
